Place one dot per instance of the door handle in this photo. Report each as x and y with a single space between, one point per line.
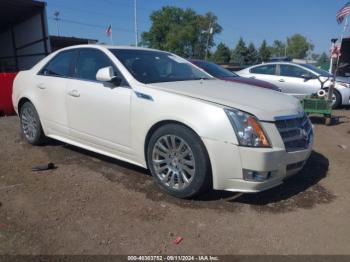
41 86
281 80
252 77
74 93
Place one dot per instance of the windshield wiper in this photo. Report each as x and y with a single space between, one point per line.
202 78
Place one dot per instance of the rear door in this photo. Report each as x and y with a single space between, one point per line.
265 72
98 112
50 83
292 80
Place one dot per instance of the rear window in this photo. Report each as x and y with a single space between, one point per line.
60 65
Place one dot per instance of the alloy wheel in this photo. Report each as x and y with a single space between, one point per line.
173 162
29 123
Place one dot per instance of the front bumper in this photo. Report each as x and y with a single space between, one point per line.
229 160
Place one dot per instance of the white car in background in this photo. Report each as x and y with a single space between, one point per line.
156 110
299 80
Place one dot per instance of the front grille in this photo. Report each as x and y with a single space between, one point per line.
296 132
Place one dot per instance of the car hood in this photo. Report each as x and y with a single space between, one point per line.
263 103
250 81
343 79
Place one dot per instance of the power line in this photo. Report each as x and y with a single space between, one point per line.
129 4
91 25
85 11
124 4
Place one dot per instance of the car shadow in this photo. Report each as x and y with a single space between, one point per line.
113 162
336 120
315 170
344 107
301 190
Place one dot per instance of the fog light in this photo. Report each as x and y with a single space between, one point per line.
256 176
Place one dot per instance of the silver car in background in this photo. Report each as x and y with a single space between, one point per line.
299 80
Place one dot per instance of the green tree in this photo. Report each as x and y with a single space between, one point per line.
264 52
298 46
278 48
181 31
323 61
252 56
240 52
222 54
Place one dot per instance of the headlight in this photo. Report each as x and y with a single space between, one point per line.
247 128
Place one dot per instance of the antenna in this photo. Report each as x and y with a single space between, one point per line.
57 14
135 21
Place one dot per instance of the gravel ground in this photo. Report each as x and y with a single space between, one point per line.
93 204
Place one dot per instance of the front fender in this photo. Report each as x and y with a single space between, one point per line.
207 120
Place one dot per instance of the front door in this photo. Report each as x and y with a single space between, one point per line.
98 112
292 81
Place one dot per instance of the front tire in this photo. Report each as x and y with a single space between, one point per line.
336 99
30 125
179 161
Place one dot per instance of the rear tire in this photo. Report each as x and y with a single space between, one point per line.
178 161
30 125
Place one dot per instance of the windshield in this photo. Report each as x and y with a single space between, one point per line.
317 70
214 69
155 66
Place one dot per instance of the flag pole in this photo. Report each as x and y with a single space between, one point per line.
341 42
335 73
111 36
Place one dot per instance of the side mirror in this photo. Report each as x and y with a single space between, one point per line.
106 74
308 77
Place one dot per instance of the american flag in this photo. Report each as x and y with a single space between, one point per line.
109 30
343 13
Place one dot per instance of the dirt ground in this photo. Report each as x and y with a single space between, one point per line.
92 204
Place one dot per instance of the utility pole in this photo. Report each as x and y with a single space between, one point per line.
210 31
57 14
135 24
285 49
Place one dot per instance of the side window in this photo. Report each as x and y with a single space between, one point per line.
59 65
89 62
292 71
264 69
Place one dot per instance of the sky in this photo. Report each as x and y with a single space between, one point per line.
254 20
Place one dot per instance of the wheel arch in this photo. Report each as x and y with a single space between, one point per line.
340 94
21 102
161 123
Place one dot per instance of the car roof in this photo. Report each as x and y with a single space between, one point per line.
100 46
280 63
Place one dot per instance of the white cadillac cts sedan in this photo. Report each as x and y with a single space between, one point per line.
156 110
